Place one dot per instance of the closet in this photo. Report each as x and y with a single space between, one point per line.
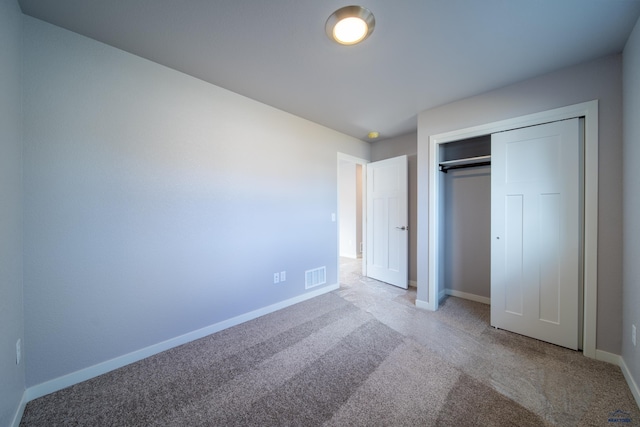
512 232
465 176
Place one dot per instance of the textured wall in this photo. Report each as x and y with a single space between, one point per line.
12 376
599 80
631 185
157 204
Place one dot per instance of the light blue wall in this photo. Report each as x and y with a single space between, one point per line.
631 185
601 80
157 204
12 376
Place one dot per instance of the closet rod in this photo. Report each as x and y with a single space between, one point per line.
465 163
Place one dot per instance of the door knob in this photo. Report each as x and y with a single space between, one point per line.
403 228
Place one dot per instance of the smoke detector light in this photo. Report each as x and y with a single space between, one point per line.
350 25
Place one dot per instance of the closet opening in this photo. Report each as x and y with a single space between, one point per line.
465 197
435 232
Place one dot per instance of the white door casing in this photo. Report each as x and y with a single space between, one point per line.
387 221
536 231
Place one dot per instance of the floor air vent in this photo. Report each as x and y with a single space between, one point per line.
315 277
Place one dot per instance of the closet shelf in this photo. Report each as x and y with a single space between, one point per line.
465 163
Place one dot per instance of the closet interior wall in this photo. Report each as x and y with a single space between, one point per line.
466 244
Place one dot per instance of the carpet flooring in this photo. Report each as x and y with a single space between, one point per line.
359 356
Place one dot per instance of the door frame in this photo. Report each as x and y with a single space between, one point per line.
588 110
363 163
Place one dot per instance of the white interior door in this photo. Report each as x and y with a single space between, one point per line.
387 221
535 226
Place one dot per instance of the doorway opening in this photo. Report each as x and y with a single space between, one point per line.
351 211
380 235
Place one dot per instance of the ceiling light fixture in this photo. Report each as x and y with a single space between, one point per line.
350 25
373 134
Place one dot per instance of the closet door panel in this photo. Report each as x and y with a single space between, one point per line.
535 228
549 262
514 293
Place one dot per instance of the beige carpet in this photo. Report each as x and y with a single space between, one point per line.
363 355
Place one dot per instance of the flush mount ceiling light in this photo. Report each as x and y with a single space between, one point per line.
350 25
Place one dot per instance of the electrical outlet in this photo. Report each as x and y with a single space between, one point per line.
18 351
276 278
633 334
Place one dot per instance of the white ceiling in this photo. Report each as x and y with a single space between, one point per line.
423 53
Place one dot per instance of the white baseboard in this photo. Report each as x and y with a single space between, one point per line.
619 361
471 297
101 368
424 305
635 390
605 356
20 411
633 385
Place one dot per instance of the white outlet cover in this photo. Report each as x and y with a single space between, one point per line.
633 334
283 276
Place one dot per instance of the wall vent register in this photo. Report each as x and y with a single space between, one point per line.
315 277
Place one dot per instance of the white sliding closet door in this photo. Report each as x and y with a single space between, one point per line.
536 229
